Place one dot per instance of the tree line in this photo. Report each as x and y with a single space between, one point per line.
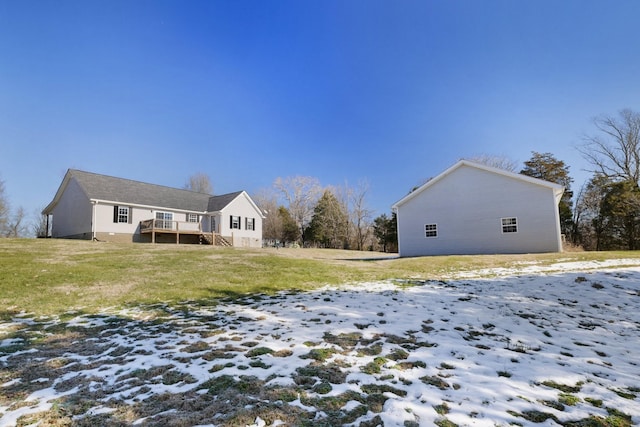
299 211
607 212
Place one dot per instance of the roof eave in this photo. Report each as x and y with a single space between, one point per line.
56 198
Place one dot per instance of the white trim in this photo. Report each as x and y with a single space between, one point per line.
127 216
244 193
164 219
503 225
432 230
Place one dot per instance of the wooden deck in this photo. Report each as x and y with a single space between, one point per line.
156 227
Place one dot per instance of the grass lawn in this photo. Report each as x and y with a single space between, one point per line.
49 277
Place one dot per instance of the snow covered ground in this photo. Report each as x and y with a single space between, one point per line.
554 345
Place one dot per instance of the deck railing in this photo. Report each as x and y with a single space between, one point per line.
160 225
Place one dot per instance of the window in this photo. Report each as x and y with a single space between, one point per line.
213 224
191 217
509 225
250 224
122 214
431 230
235 222
164 220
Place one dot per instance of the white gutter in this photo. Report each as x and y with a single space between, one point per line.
93 219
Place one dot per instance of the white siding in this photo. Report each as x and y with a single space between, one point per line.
468 204
243 207
72 214
105 224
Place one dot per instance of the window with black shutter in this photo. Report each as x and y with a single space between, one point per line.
122 214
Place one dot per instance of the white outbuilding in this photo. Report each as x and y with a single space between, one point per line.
472 208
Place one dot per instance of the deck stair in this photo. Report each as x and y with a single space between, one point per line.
205 239
218 240
221 241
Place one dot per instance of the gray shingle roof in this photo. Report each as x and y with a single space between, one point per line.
120 190
217 203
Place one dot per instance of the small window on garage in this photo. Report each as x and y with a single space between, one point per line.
430 230
510 225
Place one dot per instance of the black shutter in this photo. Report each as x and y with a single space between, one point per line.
115 214
231 222
130 215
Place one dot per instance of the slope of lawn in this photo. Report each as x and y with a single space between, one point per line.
53 276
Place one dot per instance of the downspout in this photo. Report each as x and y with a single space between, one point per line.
557 198
93 219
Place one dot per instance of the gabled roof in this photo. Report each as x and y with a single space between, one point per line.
217 203
557 189
120 190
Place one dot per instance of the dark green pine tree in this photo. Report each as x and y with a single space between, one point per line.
545 166
290 231
329 224
385 230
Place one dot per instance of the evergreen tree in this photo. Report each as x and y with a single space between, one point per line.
289 229
385 230
545 166
620 213
329 224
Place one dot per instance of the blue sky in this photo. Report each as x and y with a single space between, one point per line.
247 91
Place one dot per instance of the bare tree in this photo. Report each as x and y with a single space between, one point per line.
39 224
4 211
301 194
17 226
360 215
267 201
592 225
200 183
499 162
615 152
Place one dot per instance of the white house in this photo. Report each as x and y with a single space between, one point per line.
106 208
475 209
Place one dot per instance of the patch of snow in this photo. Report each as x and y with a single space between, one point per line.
486 343
12 382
